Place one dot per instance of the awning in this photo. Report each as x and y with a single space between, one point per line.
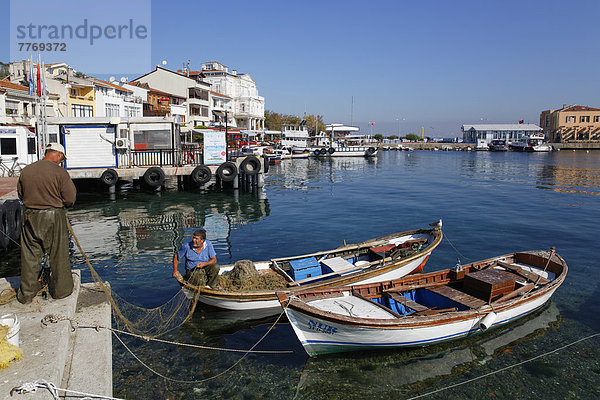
249 133
219 113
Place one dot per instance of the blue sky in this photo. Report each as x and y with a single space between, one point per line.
437 64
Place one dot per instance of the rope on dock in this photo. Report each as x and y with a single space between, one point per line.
503 369
32 387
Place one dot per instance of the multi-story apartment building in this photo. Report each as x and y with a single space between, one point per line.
247 106
193 90
116 101
571 124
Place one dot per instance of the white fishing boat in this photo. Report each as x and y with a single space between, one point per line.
424 309
535 142
380 259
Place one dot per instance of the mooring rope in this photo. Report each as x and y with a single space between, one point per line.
32 387
455 249
53 319
212 377
503 369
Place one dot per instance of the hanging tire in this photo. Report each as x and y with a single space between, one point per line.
317 152
4 228
370 151
109 177
14 218
250 166
201 175
331 150
154 177
227 171
266 164
323 151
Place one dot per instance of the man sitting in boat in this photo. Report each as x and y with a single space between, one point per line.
197 255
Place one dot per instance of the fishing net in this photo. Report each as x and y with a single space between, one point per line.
147 322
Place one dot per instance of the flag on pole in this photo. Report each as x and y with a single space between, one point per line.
39 86
30 76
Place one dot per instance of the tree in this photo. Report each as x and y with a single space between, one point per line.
310 123
274 121
378 137
412 137
3 70
393 137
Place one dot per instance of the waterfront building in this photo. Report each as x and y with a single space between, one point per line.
116 101
222 107
192 89
573 124
485 133
247 106
17 107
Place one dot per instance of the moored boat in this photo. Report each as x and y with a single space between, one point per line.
424 309
380 259
531 143
498 145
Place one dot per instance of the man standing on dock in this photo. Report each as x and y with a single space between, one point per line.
197 255
45 189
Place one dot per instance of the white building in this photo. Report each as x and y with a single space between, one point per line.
248 107
116 101
294 136
487 132
195 91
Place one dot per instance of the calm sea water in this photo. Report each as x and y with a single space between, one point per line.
490 203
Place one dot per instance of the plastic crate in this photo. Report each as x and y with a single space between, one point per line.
304 268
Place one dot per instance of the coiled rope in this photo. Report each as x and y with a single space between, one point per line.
30 387
503 369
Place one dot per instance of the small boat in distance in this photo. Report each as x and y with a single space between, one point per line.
498 145
423 309
375 260
481 145
531 143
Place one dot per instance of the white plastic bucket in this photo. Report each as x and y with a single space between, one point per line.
14 326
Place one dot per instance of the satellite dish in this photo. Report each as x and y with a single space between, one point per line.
112 79
164 62
123 79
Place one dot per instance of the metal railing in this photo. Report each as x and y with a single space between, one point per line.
163 158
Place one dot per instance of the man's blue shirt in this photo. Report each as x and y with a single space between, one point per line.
191 258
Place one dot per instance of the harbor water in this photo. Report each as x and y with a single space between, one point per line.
490 204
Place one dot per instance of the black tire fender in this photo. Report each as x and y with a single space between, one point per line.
331 150
227 171
317 152
323 151
109 177
371 151
14 218
154 177
201 175
266 164
250 166
4 228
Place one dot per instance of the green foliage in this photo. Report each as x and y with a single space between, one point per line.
79 74
393 137
3 70
378 137
274 121
412 136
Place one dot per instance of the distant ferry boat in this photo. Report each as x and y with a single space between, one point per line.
531 143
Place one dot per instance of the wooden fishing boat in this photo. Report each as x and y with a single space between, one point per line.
380 259
423 309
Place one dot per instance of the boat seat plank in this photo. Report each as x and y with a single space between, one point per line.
532 276
457 296
413 305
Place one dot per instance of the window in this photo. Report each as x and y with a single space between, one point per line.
8 146
80 110
584 118
197 93
547 120
111 110
204 111
132 111
102 90
74 92
12 107
596 118
571 118
31 148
